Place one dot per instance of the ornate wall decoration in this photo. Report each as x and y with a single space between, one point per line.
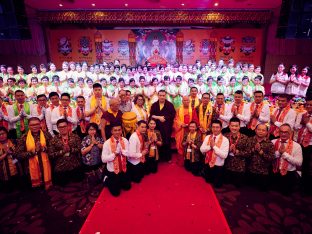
156 17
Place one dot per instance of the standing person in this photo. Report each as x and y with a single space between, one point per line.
4 117
19 113
91 150
203 115
304 138
138 107
241 110
111 117
83 121
261 156
65 151
138 151
163 113
115 153
304 82
236 162
221 111
194 100
8 163
41 109
65 111
216 149
288 156
54 102
281 115
96 104
154 142
279 81
32 151
184 116
260 113
191 143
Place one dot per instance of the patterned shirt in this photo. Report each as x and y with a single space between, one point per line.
62 161
261 163
93 157
237 162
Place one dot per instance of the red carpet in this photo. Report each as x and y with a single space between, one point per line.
171 201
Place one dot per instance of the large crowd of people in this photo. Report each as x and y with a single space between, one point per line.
115 123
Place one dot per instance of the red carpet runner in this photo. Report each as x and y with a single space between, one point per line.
171 201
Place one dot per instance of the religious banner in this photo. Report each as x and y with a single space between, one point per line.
155 46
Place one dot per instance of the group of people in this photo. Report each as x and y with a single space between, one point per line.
214 77
121 133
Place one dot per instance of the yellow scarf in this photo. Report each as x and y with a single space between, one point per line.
34 167
205 119
96 117
111 112
141 112
196 102
182 112
190 155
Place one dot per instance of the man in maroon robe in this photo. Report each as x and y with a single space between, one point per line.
163 113
111 117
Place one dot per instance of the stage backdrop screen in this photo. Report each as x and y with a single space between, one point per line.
157 46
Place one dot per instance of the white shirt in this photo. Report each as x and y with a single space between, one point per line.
55 116
278 87
290 118
264 116
50 126
299 126
244 117
136 111
13 119
108 156
225 117
134 149
294 159
221 152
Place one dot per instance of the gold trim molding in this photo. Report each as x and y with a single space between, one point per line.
155 18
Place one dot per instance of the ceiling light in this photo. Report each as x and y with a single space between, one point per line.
60 4
126 4
182 4
216 4
93 4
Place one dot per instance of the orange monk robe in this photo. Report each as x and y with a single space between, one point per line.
183 116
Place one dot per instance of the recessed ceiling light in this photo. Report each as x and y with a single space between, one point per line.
126 4
60 4
216 4
182 4
93 4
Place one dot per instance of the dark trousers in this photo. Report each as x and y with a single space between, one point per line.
285 184
136 172
307 169
165 152
214 175
9 185
194 167
236 178
64 177
151 165
12 134
258 180
116 182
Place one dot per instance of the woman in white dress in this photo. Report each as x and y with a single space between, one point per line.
304 82
294 82
279 81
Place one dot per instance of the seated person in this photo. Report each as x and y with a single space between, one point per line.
191 143
65 151
91 150
115 153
